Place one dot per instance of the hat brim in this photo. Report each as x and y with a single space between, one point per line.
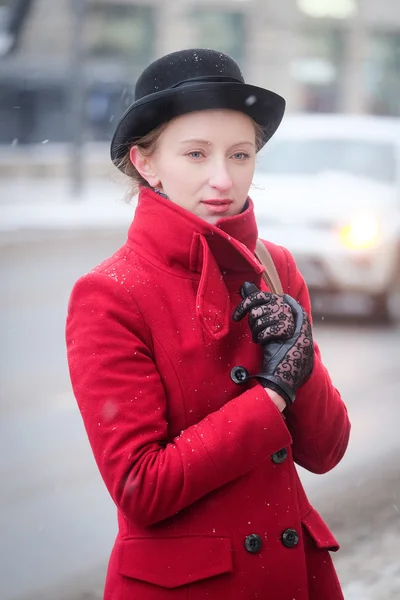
265 107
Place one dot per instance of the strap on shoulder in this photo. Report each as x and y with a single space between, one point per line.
270 274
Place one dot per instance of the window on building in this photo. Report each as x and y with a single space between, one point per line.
33 112
382 74
105 104
318 69
221 30
13 14
121 31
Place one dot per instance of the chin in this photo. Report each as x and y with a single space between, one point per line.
212 219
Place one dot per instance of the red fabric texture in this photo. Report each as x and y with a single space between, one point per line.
185 452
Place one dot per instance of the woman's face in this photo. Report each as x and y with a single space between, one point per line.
204 161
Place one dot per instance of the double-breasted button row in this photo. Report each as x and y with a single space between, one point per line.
239 374
253 543
280 456
290 538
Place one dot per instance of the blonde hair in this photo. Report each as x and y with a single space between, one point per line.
147 145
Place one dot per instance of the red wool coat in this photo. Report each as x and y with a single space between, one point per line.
202 470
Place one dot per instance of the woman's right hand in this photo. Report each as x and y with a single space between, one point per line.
289 360
279 402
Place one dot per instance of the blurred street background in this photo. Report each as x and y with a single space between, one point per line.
327 187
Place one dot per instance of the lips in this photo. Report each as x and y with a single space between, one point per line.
217 206
217 202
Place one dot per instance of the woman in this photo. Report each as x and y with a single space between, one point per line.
196 415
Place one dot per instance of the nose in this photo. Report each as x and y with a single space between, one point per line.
220 178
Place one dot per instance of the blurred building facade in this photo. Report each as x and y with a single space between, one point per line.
322 55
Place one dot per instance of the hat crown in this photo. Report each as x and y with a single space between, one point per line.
183 66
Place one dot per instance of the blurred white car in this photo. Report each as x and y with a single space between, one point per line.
327 187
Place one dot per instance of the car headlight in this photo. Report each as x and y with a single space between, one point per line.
361 233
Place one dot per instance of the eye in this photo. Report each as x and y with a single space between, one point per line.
241 156
196 154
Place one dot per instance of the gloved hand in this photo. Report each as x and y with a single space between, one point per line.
270 316
283 328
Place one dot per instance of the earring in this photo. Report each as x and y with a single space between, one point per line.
159 191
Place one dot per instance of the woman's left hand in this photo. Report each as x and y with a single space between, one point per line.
270 316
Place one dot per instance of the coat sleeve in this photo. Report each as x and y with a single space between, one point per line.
318 419
123 405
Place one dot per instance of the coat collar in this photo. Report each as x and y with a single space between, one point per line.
179 242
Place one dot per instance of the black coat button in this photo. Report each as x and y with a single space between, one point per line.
280 456
290 538
239 374
253 543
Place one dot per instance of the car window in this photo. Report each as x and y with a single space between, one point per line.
311 157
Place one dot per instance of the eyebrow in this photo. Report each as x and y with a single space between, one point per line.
198 141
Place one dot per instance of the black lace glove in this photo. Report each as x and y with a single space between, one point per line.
283 328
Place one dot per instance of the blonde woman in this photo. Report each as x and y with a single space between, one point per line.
200 388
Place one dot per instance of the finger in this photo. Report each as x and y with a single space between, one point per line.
281 326
248 288
255 299
276 309
263 310
297 311
272 332
263 325
277 315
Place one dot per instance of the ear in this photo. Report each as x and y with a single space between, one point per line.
144 166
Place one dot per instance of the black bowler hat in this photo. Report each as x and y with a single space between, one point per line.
192 80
